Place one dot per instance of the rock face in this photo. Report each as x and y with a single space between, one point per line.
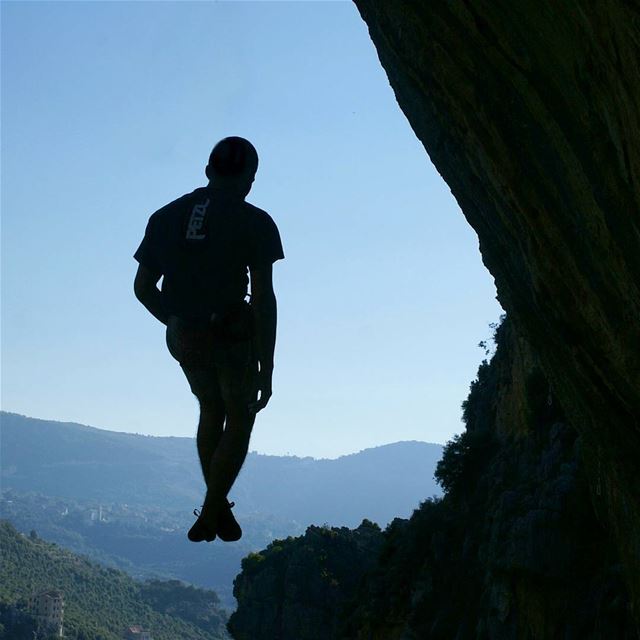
531 113
513 551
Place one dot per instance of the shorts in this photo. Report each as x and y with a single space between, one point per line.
215 368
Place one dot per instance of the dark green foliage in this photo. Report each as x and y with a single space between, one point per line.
317 572
478 409
466 455
475 401
463 459
416 566
99 602
15 622
173 597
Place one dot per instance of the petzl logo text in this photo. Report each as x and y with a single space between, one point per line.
196 221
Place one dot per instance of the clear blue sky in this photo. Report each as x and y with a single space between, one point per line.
110 109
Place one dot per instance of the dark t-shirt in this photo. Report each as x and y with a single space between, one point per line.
203 244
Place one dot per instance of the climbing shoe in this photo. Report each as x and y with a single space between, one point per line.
199 531
228 528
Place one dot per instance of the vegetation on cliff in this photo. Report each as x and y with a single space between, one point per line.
513 550
298 587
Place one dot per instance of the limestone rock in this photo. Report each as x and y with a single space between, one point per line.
531 113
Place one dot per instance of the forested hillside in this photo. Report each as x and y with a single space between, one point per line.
101 602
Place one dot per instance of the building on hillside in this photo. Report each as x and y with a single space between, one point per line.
95 515
48 609
136 632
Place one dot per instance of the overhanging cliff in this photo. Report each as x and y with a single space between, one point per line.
531 113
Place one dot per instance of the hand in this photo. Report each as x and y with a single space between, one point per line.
264 387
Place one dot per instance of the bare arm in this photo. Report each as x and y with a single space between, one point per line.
263 300
146 290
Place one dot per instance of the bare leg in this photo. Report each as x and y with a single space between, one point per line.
210 429
227 458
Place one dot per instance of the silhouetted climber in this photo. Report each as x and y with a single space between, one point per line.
204 245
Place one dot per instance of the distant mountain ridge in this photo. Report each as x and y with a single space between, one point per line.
86 463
